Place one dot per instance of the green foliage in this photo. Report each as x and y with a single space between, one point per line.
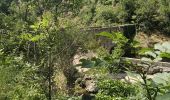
158 53
120 42
165 55
155 87
110 61
158 86
105 15
148 14
117 38
19 80
165 96
33 29
33 43
62 97
116 89
87 63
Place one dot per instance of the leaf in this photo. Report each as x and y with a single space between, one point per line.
158 52
37 37
143 50
86 63
163 97
157 59
135 44
159 47
162 78
33 26
106 34
150 53
98 62
26 36
166 45
165 55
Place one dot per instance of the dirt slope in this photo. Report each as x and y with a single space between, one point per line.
147 40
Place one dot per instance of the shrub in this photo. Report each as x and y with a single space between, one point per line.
19 80
109 88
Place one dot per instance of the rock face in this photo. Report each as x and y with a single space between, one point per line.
79 56
89 87
158 66
88 83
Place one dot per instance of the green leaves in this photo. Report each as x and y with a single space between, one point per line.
164 47
26 36
150 53
158 53
106 34
163 97
120 44
37 37
159 47
116 37
109 88
30 37
162 78
94 62
163 81
86 63
18 79
165 55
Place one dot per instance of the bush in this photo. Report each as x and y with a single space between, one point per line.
109 88
19 80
